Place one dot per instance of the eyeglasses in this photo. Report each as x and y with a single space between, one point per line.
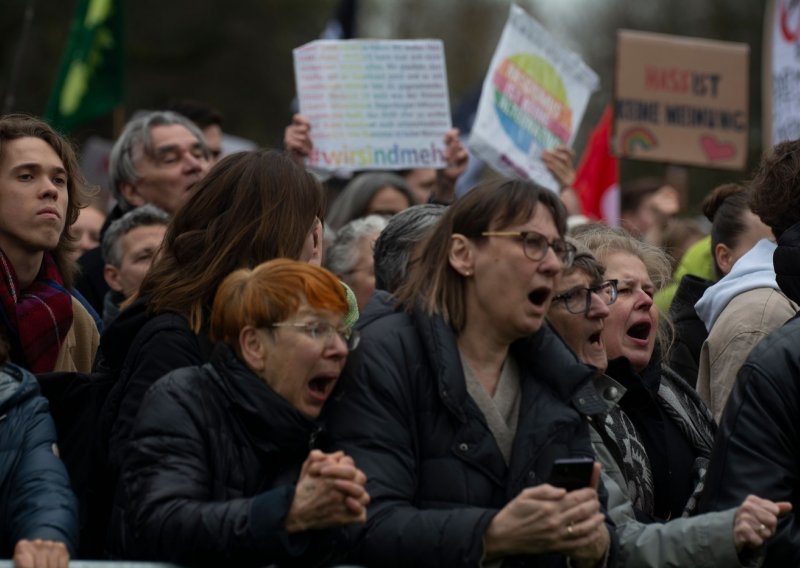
535 245
579 301
323 331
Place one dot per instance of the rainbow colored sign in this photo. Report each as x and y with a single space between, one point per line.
533 99
638 138
531 102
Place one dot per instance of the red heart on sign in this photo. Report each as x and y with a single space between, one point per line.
716 150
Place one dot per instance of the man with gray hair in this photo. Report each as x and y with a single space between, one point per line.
400 244
158 159
129 248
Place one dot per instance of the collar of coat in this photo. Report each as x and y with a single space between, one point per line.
542 357
270 421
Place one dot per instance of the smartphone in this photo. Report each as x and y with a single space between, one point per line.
571 473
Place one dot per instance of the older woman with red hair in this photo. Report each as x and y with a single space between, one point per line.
219 469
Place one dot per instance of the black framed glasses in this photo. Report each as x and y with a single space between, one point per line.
535 245
579 300
324 331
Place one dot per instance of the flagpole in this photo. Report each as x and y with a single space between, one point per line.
9 99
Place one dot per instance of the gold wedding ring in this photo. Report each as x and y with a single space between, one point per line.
762 529
569 529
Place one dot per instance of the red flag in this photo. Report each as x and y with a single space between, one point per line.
597 178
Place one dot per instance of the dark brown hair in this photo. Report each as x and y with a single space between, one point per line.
634 192
14 126
250 208
776 187
725 207
494 205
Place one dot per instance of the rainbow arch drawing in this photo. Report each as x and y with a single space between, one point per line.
638 139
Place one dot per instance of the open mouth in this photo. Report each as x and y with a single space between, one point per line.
321 387
640 331
539 296
594 338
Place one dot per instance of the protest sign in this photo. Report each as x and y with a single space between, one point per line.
681 100
781 70
374 104
533 99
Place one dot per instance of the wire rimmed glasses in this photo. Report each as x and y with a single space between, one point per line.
535 245
579 300
324 331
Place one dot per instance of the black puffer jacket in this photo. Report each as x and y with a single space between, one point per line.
436 475
210 471
140 348
758 441
786 260
690 331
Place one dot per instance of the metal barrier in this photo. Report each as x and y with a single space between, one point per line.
103 564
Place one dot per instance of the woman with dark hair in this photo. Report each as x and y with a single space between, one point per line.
252 207
578 313
218 470
373 193
459 400
746 304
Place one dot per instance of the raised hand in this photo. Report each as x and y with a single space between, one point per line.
297 138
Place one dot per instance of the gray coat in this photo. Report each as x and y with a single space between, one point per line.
700 541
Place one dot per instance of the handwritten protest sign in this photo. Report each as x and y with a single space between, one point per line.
781 72
681 100
374 104
533 99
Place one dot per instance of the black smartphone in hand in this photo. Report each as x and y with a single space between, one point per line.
571 473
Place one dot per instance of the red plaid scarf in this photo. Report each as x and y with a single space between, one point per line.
37 318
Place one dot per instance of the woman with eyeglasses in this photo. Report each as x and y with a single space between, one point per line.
579 310
668 430
221 467
459 401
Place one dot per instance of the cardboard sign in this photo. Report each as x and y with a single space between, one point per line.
533 99
681 100
374 104
781 103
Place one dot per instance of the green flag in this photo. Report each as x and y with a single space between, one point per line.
91 74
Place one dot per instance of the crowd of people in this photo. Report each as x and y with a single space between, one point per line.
243 364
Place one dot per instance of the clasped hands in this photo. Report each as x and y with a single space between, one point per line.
329 492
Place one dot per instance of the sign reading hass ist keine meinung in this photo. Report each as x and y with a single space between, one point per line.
681 100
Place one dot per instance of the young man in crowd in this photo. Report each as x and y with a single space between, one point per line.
41 192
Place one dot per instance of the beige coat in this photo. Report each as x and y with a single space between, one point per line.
79 347
746 320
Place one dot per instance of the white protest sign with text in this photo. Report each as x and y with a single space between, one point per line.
374 104
533 99
781 72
